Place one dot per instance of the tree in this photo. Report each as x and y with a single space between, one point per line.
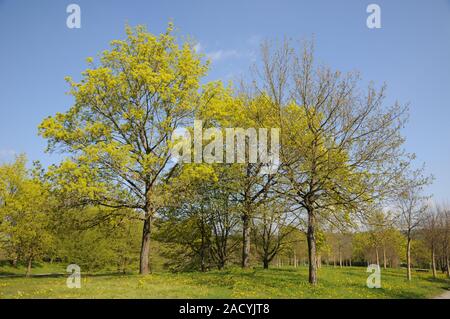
96 238
340 148
340 245
412 206
223 219
364 247
202 216
272 230
443 220
119 129
248 111
25 210
380 228
431 234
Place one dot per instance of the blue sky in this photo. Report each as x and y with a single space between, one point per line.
411 53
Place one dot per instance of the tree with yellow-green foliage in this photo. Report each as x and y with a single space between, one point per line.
341 147
250 182
25 213
96 238
119 129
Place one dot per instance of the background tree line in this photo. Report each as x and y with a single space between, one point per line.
344 191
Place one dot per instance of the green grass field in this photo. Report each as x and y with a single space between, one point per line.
348 282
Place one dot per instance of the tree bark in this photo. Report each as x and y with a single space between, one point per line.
408 259
448 267
221 264
266 263
312 248
204 250
245 241
30 261
145 247
433 261
384 258
378 257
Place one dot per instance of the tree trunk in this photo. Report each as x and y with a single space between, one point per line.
14 262
448 267
245 241
384 258
433 261
266 263
408 259
220 265
378 257
203 265
30 261
145 247
312 248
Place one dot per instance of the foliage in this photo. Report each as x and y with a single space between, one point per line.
119 130
25 212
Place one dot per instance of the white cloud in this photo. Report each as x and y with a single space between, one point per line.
218 55
198 47
222 55
7 154
254 40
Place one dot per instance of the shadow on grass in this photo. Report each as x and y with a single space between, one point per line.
15 271
6 274
444 281
439 280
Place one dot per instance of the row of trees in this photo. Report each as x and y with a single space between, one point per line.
341 155
278 238
36 226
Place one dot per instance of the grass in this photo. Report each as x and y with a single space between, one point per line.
38 269
348 282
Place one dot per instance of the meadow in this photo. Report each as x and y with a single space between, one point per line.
49 281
